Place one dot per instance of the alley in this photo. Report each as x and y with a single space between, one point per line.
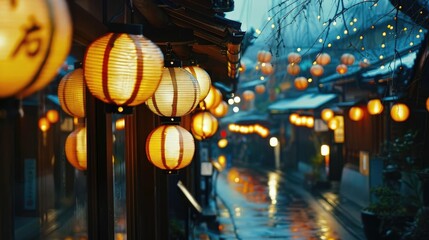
255 204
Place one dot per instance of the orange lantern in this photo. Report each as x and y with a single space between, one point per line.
123 69
309 122
260 89
316 70
44 124
212 99
120 124
177 94
76 148
264 56
222 143
35 39
267 68
52 116
341 69
375 106
71 93
170 147
248 95
356 113
323 59
242 67
347 59
203 79
294 58
301 83
327 114
364 63
333 123
221 110
204 125
293 69
399 112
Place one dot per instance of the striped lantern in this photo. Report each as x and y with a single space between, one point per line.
123 69
177 95
301 83
204 125
71 93
170 147
35 39
212 99
76 148
203 79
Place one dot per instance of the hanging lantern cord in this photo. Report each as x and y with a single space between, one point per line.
131 8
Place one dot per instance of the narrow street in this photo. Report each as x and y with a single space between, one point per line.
256 204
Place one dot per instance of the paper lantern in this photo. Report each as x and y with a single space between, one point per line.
356 113
293 69
333 123
341 69
52 115
170 147
203 79
264 56
260 89
364 63
120 124
399 112
123 69
375 106
267 68
44 124
221 110
316 70
309 122
204 124
71 93
327 114
212 99
177 94
347 59
35 39
294 57
301 83
323 59
76 148
222 143
248 95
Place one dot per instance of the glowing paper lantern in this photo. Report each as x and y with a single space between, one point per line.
120 124
221 110
301 83
204 125
76 148
294 57
375 106
44 124
356 113
260 89
71 93
347 59
267 68
123 69
248 95
170 147
222 143
35 39
316 70
203 79
323 59
264 56
177 94
364 63
342 69
212 99
293 117
293 69
399 112
327 114
309 122
52 116
427 104
333 123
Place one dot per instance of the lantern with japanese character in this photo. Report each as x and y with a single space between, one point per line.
35 39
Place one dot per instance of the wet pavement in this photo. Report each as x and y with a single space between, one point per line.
256 204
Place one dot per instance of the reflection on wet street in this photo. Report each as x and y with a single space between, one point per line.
260 205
